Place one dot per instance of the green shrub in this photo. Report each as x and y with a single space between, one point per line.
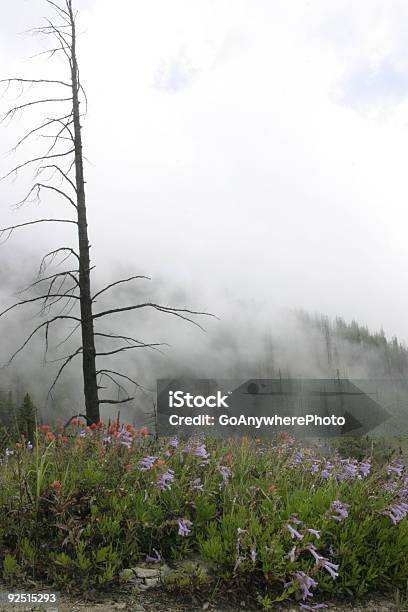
263 518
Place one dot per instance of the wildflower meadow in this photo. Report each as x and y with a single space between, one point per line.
282 522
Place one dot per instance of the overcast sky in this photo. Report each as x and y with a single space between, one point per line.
242 150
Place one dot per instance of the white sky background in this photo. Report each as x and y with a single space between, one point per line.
242 150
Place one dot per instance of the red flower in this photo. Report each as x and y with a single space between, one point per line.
93 426
143 431
44 428
50 436
56 485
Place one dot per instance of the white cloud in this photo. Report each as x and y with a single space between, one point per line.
252 179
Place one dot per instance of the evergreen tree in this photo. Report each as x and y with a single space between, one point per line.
26 418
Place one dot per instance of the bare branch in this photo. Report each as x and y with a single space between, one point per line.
60 10
44 29
66 362
34 81
115 382
69 273
10 230
36 299
37 329
50 51
53 254
127 348
10 113
47 123
125 280
68 295
177 312
58 137
38 187
35 159
128 339
58 169
118 374
107 401
71 333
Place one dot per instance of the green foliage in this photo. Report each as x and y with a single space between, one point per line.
26 418
78 511
380 450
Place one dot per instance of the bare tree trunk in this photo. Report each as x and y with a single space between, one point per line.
87 323
52 289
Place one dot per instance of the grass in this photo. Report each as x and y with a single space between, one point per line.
274 520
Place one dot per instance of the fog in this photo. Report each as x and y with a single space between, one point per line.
248 157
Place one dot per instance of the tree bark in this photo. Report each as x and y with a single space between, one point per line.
87 323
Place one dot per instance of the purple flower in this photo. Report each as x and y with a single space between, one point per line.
315 468
315 533
174 442
29 446
292 554
397 512
125 438
184 525
340 508
156 559
350 471
297 459
294 533
253 555
238 562
241 531
293 519
165 480
315 554
326 472
196 485
313 607
396 467
225 473
147 463
305 583
330 567
201 451
365 468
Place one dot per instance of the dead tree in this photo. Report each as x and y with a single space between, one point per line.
64 159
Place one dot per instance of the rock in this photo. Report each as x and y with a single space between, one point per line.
142 587
146 572
164 569
151 582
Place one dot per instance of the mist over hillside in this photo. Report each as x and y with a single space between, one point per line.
247 341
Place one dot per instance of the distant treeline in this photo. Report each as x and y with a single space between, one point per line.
18 419
389 357
334 347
